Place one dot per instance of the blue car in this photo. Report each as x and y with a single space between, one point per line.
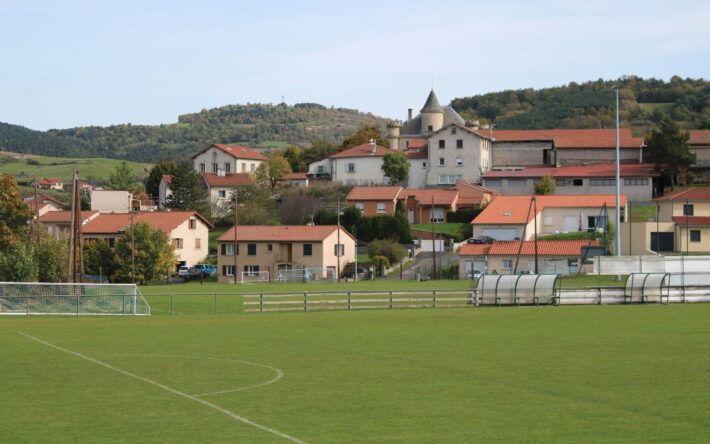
206 269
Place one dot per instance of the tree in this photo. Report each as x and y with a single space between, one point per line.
294 156
396 166
122 178
154 255
273 170
545 186
363 135
99 258
152 181
668 148
51 258
390 249
188 191
18 264
405 234
15 215
255 206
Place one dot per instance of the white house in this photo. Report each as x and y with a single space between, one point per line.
227 159
219 188
458 153
359 165
164 190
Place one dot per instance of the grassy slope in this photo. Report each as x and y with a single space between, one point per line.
100 168
549 374
446 228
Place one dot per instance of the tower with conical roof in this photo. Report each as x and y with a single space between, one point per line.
432 114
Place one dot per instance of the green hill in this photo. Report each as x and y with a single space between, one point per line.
257 125
592 105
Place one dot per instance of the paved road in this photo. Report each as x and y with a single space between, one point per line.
423 264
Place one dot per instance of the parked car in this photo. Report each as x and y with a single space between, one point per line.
183 271
475 274
206 269
481 240
349 272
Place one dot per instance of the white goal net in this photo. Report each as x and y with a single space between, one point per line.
254 276
33 298
306 275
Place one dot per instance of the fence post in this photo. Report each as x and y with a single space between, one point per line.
390 299
77 305
600 295
434 298
215 303
172 304
123 305
305 301
349 306
261 302
27 303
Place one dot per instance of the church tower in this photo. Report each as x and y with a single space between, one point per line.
432 114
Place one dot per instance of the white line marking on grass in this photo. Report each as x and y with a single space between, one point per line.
279 373
167 389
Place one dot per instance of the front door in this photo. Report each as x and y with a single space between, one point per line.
410 215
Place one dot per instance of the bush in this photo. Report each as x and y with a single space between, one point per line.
393 251
377 227
379 263
463 216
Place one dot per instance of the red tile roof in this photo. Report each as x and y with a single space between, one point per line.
31 204
471 194
49 181
544 248
692 220
441 197
417 152
418 143
295 176
569 138
167 221
44 198
517 210
699 137
374 193
690 194
238 151
602 170
364 150
228 180
64 216
167 178
281 233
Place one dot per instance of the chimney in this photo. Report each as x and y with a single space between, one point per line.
409 115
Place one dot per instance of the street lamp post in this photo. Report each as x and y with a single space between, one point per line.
133 242
618 179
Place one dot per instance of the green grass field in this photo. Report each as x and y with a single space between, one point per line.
445 228
516 374
62 167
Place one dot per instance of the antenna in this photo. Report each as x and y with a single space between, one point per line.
283 99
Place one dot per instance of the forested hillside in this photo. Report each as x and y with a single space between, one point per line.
592 105
254 125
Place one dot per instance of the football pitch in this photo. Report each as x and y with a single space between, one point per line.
511 374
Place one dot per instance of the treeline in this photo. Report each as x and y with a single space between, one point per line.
644 103
256 125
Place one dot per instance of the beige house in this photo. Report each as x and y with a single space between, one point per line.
515 217
285 247
637 180
106 201
187 230
372 201
227 159
58 223
510 257
457 153
699 143
683 225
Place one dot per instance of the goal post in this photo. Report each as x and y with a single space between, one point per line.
309 274
36 298
254 276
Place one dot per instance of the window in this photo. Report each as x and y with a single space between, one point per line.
215 167
360 206
459 143
198 244
494 182
449 179
577 182
253 167
202 167
688 209
320 169
244 167
560 182
595 222
453 130
424 165
636 182
442 144
227 270
228 249
193 224
430 128
222 194
694 235
111 242
342 250
381 207
570 182
438 215
227 167
459 162
441 161
602 182
308 249
178 243
507 264
269 247
251 270
517 182
351 168
251 249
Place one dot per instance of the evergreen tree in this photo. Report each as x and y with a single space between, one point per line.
121 179
188 190
405 234
667 147
152 181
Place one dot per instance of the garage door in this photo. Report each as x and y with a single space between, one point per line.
501 234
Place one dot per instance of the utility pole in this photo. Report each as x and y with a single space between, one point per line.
337 247
433 237
534 201
38 226
77 247
236 197
133 246
618 181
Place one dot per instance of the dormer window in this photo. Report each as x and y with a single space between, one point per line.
430 128
453 130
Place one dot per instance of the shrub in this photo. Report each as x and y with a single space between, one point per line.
393 251
379 263
463 216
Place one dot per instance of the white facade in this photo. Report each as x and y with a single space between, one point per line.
358 171
456 153
319 167
163 193
418 171
215 160
191 241
105 201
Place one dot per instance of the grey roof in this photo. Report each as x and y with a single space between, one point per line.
414 126
432 104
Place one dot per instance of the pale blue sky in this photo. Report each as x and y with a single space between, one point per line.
76 63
